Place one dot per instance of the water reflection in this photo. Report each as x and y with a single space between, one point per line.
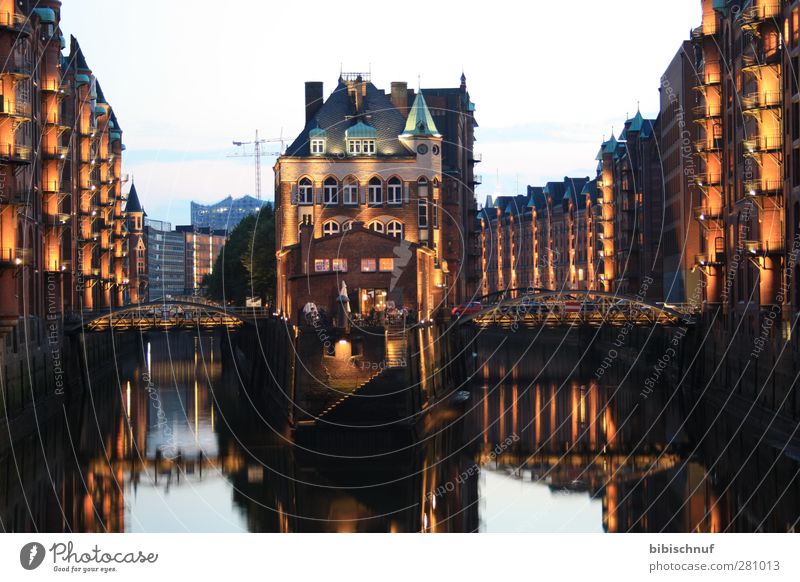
175 443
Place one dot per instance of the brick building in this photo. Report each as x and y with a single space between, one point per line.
371 175
63 227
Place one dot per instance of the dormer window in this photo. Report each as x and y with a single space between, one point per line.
361 139
317 146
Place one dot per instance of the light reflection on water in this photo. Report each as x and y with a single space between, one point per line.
182 447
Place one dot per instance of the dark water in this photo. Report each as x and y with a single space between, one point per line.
174 443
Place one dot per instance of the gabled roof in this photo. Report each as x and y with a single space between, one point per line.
420 122
590 190
133 204
536 198
338 113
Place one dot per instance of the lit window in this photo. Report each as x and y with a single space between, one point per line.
330 227
351 192
423 213
395 229
340 265
317 146
375 190
305 192
368 265
330 191
376 226
395 191
386 264
322 265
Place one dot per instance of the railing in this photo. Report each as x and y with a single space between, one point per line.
477 179
15 256
12 20
16 108
14 64
15 152
756 14
709 180
763 187
476 158
703 213
760 59
55 86
51 186
762 143
708 145
707 110
757 247
57 219
17 198
55 152
761 100
717 258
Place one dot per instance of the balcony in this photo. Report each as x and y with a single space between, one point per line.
16 198
15 257
763 248
712 259
15 109
709 181
476 179
708 145
58 266
58 219
14 22
704 214
56 86
15 65
55 152
476 158
708 74
753 16
752 62
16 154
762 144
51 186
761 100
755 188
707 111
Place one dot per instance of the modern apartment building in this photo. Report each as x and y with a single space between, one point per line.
166 259
63 226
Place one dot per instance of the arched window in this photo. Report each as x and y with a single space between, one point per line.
376 226
330 191
375 191
305 192
330 227
395 229
422 187
395 191
347 225
350 192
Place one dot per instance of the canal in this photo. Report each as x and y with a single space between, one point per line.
171 441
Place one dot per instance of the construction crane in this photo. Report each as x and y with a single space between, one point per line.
257 153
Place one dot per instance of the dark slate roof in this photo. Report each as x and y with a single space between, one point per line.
133 204
76 55
590 189
337 113
573 190
555 190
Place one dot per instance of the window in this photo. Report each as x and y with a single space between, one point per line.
305 192
435 215
422 187
423 213
369 146
347 225
386 264
317 146
395 191
354 146
330 191
368 265
351 192
330 227
376 226
340 265
395 229
322 265
375 190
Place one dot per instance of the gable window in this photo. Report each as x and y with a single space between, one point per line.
354 146
330 227
305 192
350 192
330 191
375 190
317 146
395 191
395 229
376 226
423 213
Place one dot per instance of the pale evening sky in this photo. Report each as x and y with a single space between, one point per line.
549 79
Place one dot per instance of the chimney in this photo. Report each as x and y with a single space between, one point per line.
400 96
313 99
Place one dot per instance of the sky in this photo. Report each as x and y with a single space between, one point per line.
549 79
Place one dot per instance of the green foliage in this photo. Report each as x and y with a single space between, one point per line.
246 266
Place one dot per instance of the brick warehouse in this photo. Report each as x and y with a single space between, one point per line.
374 194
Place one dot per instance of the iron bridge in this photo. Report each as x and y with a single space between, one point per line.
530 308
164 316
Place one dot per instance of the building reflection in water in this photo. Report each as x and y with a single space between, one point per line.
177 444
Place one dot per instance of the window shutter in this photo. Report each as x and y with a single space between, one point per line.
363 193
293 194
318 190
407 188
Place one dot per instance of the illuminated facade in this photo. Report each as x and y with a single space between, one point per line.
63 230
202 246
371 193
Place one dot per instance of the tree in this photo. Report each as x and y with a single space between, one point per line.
246 266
